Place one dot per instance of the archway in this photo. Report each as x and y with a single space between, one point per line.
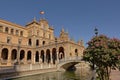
4 54
61 53
48 57
42 56
37 56
14 54
54 55
22 54
29 55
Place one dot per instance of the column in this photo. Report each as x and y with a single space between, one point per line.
9 57
32 57
57 53
18 56
51 59
25 58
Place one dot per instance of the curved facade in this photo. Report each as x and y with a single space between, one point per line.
35 43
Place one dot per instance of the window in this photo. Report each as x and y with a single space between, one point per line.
12 31
76 52
8 40
21 33
29 42
17 32
19 41
37 33
49 36
43 43
1 28
6 29
37 42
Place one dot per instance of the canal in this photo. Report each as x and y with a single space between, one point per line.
79 74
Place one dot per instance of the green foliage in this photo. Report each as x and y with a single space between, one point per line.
104 52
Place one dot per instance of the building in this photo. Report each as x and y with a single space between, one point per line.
35 43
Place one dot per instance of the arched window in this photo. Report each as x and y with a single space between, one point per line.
48 57
14 54
76 52
4 54
42 56
54 55
61 53
43 43
37 42
22 54
37 56
29 55
29 42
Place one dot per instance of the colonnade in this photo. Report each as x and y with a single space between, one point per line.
30 56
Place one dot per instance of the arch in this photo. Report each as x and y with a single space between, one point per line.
14 54
68 65
29 53
37 56
22 54
61 53
48 57
54 55
76 52
42 56
4 54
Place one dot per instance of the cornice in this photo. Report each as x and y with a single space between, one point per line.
12 24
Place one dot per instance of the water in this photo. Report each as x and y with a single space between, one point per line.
68 75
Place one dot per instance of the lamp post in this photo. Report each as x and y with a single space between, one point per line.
96 31
94 71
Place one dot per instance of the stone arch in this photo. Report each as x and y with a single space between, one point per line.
37 56
22 54
14 54
54 55
29 53
48 56
61 53
42 56
4 54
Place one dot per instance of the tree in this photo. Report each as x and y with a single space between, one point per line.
104 53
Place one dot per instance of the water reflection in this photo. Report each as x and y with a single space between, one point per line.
69 75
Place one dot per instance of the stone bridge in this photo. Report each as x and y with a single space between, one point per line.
68 63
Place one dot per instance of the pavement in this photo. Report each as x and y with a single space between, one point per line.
115 75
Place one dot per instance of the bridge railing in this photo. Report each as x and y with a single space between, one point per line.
70 59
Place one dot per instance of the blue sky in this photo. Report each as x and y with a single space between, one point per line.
77 17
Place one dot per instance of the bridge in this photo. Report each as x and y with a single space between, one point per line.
68 63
